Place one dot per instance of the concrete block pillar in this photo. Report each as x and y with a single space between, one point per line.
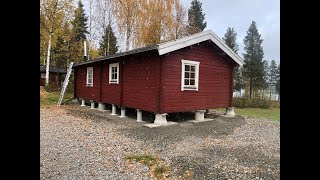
83 102
92 104
230 112
199 115
75 100
101 106
114 110
139 115
161 119
123 112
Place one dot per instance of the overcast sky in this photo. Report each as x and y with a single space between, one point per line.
220 14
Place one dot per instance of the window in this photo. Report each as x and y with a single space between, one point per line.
189 75
90 76
114 73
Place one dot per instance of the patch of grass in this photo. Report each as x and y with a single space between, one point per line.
272 113
157 167
51 98
147 159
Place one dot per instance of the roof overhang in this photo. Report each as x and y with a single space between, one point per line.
170 46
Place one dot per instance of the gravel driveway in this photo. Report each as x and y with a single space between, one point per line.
79 143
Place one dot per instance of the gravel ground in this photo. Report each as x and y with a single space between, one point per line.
79 143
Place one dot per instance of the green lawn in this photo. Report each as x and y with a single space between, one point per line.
53 97
272 113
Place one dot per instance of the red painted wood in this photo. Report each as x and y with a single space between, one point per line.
215 79
84 91
153 83
140 81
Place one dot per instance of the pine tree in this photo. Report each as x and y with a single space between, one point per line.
278 81
239 84
80 23
196 18
79 32
230 38
60 53
253 68
108 43
272 75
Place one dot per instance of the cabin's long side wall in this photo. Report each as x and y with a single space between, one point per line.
110 93
215 79
84 91
140 81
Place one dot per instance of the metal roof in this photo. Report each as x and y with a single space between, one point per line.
52 69
174 45
133 51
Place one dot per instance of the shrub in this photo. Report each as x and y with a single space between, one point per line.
240 102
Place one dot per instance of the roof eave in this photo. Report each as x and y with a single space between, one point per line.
197 38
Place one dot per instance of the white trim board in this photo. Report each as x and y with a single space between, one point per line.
170 46
110 73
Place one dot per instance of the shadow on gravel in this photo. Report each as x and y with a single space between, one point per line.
170 134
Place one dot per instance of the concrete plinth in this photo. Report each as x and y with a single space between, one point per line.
139 115
199 115
101 106
123 112
161 119
83 102
75 100
229 112
92 104
114 110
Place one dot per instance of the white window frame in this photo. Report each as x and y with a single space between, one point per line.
111 81
88 70
189 87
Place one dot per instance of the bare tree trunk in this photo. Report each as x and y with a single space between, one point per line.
48 60
109 19
108 46
44 53
250 87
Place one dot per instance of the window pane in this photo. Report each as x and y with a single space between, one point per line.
186 75
186 82
112 77
192 82
192 75
187 68
193 68
115 75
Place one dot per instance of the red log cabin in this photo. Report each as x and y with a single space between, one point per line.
193 73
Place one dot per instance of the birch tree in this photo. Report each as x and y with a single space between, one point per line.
126 12
52 13
179 20
105 10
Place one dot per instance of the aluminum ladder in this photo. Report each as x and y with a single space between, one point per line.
65 84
